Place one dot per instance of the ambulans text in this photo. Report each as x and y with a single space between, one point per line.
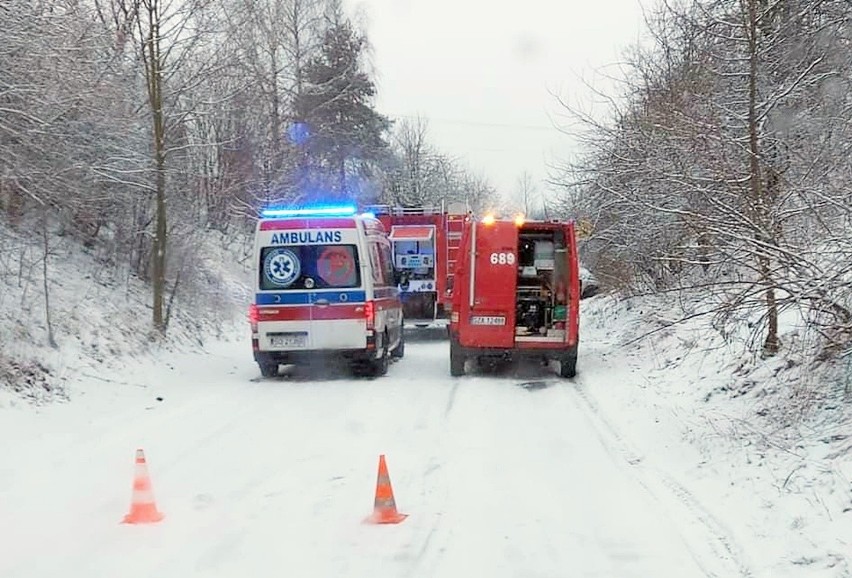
306 237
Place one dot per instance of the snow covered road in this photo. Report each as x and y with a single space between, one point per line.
510 475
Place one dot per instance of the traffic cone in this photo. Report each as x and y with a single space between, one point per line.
384 508
143 509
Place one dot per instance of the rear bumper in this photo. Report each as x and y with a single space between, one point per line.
315 356
555 352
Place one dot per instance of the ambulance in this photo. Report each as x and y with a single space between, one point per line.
325 287
516 294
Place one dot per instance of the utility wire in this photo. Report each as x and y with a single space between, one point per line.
473 122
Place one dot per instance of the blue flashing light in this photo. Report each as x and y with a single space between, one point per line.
298 133
369 215
341 211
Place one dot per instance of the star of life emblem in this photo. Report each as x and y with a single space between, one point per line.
282 267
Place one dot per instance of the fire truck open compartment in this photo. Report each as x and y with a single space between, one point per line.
516 295
414 256
541 306
425 245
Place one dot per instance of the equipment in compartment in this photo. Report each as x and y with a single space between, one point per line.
414 251
540 310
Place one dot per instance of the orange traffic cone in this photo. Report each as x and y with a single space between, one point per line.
143 510
384 509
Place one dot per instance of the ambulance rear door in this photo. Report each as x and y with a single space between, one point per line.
338 295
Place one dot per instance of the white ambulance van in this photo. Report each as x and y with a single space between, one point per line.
325 286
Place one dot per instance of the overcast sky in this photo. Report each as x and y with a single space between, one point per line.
482 71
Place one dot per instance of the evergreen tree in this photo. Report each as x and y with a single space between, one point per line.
343 135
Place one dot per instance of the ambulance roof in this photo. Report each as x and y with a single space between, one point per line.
315 217
312 211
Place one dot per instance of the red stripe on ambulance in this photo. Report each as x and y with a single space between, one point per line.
312 312
295 224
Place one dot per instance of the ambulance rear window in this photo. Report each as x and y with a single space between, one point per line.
301 267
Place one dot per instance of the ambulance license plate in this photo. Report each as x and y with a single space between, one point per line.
288 339
487 320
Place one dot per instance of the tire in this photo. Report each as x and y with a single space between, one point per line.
268 369
456 360
568 365
378 367
399 351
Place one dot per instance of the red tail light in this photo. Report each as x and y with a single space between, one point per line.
254 315
370 314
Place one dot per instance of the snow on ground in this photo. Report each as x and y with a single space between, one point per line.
628 470
270 478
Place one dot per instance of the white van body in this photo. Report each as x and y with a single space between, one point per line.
324 286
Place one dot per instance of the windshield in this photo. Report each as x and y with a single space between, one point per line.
309 267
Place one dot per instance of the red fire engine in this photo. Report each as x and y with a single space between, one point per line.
516 294
425 243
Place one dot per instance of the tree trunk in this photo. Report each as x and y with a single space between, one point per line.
343 178
51 339
154 68
759 196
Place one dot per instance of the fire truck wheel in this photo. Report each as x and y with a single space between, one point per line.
268 369
456 361
568 365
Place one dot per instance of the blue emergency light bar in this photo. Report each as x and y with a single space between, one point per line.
341 211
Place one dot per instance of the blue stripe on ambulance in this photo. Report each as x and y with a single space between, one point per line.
308 297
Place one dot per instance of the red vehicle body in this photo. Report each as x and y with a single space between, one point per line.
425 243
516 294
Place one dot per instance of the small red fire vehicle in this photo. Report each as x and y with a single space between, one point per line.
516 293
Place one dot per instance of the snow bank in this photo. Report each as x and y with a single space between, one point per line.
777 432
100 314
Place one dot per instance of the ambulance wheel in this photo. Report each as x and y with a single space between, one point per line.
568 365
268 369
379 367
456 361
399 350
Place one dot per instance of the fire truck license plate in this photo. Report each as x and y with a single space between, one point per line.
288 339
487 320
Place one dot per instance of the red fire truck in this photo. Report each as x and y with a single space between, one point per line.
516 294
425 243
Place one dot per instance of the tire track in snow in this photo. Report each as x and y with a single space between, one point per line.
254 489
424 563
636 468
451 402
414 554
442 553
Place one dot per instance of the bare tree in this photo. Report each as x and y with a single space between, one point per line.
527 197
176 54
276 40
420 174
717 163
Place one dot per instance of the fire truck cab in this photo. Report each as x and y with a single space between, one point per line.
516 294
424 244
